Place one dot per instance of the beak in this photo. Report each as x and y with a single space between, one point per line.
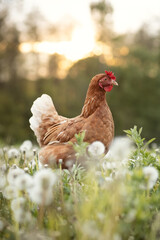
114 82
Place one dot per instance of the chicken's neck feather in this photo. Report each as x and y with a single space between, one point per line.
95 98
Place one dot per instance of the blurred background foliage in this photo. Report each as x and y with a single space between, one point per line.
134 58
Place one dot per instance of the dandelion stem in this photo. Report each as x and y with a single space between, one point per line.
41 215
36 160
17 230
5 157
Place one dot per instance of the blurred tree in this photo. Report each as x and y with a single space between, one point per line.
101 12
9 43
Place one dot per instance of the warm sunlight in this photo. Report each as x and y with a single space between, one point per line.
79 47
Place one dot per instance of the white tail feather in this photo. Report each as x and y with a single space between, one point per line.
42 106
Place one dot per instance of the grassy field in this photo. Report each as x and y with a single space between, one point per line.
107 197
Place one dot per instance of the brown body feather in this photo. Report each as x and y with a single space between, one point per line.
95 119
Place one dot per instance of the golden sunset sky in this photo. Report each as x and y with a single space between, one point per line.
128 16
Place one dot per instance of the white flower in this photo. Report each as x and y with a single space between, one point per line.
13 174
42 191
18 203
108 179
97 148
120 149
3 168
41 196
18 207
24 181
26 146
13 153
121 173
108 165
151 175
26 169
45 178
10 192
22 216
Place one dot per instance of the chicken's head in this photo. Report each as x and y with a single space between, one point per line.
107 81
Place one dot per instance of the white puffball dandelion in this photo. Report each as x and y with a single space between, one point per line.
45 178
108 179
42 190
108 165
13 174
13 153
96 149
18 203
120 149
10 192
24 181
151 175
41 196
22 217
18 207
26 146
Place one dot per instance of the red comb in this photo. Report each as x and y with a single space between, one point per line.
110 74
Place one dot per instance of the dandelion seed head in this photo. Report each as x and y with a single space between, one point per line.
41 196
45 178
97 148
18 203
10 192
35 151
108 179
69 163
24 181
14 166
120 148
4 168
151 175
26 169
22 216
60 161
13 153
26 146
42 190
13 174
108 165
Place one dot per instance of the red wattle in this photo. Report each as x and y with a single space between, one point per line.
108 88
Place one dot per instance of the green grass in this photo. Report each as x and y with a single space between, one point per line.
112 197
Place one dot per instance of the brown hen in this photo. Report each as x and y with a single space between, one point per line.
54 132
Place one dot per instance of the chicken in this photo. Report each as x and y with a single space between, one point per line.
54 132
